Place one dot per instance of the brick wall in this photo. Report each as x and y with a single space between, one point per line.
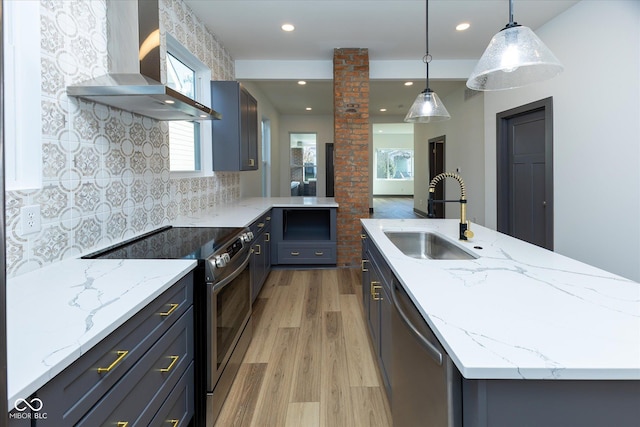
351 148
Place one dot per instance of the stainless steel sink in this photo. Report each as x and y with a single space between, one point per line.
427 245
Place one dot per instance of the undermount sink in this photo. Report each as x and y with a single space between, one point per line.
427 245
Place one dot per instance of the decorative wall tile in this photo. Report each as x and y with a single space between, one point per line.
106 171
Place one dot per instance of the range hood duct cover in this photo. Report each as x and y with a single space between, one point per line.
135 70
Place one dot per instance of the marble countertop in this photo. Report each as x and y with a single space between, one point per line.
245 211
519 311
59 312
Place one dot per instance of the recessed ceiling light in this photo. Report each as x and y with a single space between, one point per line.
287 27
463 26
302 83
203 115
169 101
308 108
408 83
383 109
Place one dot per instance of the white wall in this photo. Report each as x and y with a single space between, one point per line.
251 181
323 127
391 187
464 150
596 106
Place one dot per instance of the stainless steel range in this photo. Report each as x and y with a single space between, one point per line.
222 301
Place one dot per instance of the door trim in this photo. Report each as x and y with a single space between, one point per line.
502 162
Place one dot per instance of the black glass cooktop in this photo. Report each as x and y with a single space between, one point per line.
171 243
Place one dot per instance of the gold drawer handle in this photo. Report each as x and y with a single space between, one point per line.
363 236
261 224
121 355
174 423
252 162
171 310
258 251
362 265
319 253
295 253
375 294
123 423
173 362
268 218
267 237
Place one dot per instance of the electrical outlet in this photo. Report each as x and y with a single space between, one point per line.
30 217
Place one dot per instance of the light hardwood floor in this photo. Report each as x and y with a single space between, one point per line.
311 362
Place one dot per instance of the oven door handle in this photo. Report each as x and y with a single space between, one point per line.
229 278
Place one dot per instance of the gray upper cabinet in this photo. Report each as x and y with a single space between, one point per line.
235 137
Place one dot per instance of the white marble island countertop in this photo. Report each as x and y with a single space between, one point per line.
243 212
519 311
59 312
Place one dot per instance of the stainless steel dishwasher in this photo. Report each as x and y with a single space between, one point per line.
425 384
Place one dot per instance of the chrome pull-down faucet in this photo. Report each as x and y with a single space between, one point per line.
465 231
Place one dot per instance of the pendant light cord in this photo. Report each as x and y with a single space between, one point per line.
427 56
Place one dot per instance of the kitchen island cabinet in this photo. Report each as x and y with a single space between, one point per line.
538 338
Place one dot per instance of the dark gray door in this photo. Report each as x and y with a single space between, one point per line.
329 169
436 166
525 180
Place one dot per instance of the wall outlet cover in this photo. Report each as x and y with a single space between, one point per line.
31 220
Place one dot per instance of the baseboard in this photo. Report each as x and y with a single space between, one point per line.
419 212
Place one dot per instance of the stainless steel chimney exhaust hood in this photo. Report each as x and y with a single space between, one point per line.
134 82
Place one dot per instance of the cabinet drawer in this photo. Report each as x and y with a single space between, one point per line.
137 397
70 394
179 407
261 223
307 253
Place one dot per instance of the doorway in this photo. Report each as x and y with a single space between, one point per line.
525 172
436 166
303 164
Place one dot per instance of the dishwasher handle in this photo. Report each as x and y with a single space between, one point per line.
428 346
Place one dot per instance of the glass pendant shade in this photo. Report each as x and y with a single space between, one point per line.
515 57
427 108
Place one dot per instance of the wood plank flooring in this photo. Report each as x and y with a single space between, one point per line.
311 362
393 207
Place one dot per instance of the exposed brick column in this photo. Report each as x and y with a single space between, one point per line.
351 148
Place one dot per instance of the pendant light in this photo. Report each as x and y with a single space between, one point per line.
427 107
515 57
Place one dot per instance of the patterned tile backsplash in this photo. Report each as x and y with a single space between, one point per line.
105 171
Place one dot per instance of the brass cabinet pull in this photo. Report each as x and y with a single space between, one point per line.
260 224
375 287
173 308
174 423
362 265
123 423
174 359
258 251
252 162
363 236
121 355
295 253
318 253
268 218
267 237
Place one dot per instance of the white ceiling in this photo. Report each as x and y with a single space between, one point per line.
392 30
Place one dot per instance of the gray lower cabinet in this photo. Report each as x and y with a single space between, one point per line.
304 236
141 371
479 402
261 253
376 293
